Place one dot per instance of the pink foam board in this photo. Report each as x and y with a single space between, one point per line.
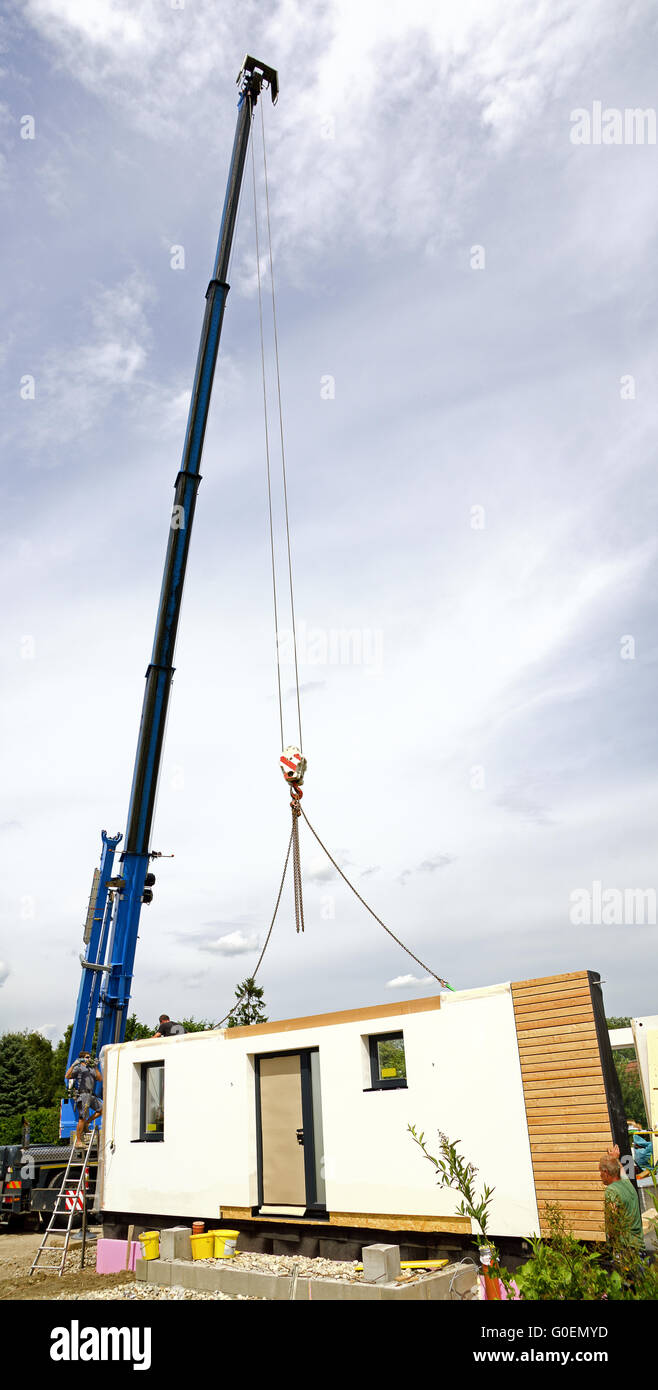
111 1255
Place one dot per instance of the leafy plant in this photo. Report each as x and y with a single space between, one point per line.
561 1268
628 1261
453 1171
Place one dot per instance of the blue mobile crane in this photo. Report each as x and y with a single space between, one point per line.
112 922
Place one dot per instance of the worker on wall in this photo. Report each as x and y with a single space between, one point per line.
85 1103
167 1029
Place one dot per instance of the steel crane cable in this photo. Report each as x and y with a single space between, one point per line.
368 908
283 451
296 793
298 773
267 938
267 441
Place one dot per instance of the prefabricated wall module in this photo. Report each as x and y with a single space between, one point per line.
305 1121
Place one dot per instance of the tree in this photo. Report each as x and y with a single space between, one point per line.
250 1006
40 1050
60 1058
627 1072
136 1030
19 1080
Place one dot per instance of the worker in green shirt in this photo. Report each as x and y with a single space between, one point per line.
622 1192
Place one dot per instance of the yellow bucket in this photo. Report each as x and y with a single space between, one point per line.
225 1243
202 1246
150 1243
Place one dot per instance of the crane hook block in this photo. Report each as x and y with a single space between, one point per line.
255 73
293 765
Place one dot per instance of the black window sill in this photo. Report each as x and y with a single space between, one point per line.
386 1086
149 1139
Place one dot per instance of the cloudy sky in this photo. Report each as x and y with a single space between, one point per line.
466 303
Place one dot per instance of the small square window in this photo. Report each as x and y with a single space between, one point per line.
388 1067
152 1106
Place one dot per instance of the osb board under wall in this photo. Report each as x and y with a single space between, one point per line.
565 1098
459 1225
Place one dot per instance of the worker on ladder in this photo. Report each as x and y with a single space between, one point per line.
84 1076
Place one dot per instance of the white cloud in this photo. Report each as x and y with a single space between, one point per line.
75 383
234 944
5 972
355 71
409 982
106 25
319 870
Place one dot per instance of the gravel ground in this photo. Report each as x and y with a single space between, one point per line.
17 1253
284 1264
345 1270
150 1293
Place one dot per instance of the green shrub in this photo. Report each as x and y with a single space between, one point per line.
563 1269
43 1122
10 1129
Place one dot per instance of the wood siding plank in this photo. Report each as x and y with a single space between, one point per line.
565 1098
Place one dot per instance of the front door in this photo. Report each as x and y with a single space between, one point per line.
290 1133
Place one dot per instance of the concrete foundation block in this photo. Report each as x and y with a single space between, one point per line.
328 1290
234 1280
189 1277
179 1270
208 1278
404 1293
332 1249
364 1293
272 1286
439 1285
175 1243
465 1281
142 1270
381 1263
162 1272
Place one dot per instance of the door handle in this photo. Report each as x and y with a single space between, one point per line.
300 1136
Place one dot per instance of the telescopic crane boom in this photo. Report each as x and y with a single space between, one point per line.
116 900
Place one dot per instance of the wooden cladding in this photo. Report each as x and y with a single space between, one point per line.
565 1097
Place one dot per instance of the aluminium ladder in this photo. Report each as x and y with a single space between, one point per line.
71 1191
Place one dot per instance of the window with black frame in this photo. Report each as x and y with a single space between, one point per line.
388 1067
152 1102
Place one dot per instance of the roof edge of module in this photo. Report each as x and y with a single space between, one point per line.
287 1025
